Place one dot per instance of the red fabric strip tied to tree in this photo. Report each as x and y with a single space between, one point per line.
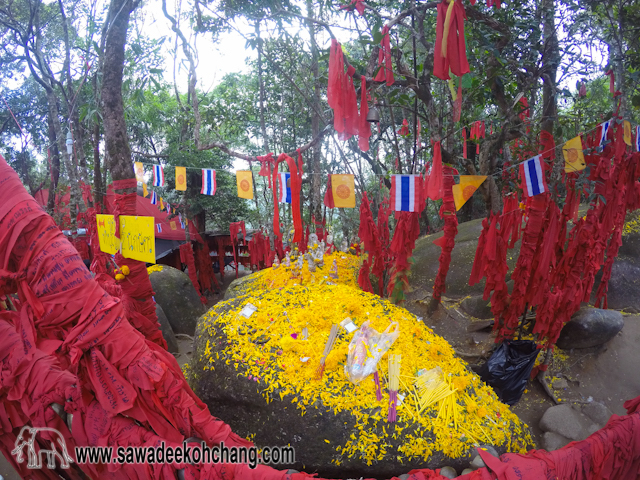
448 212
328 195
368 234
296 186
186 257
450 49
385 66
435 187
405 235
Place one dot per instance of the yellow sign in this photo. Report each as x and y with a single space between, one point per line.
181 178
466 188
573 156
109 243
139 169
344 195
245 183
138 238
627 132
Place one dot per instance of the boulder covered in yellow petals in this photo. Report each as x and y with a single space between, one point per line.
256 369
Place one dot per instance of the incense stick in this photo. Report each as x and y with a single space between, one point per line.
327 350
394 383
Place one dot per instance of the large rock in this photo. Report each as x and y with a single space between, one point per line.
167 331
552 441
177 297
590 327
220 378
477 307
568 422
598 412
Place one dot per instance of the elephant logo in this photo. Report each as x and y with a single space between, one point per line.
27 437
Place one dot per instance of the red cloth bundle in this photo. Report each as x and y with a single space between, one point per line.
186 257
206 275
435 187
450 50
382 259
448 212
341 94
385 66
369 237
404 240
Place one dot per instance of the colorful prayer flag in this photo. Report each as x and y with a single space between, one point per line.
158 176
573 155
161 204
284 189
208 181
139 169
245 183
532 177
604 131
343 188
466 188
168 208
145 192
627 132
405 193
159 227
154 198
181 178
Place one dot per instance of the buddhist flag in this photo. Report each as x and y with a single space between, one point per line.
343 189
158 176
573 156
181 178
532 177
627 132
466 188
208 181
245 183
139 169
145 192
161 204
173 225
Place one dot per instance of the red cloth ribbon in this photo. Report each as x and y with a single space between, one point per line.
385 71
456 54
435 187
186 257
359 5
328 195
448 212
296 186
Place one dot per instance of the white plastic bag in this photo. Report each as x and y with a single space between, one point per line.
365 350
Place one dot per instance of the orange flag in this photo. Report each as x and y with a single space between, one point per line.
627 132
181 178
466 188
145 192
245 183
344 195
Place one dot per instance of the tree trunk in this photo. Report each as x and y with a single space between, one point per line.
316 177
98 188
54 153
550 60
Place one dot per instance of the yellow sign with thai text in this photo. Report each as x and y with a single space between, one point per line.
138 240
109 243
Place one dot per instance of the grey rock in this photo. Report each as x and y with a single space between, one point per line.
559 384
477 462
237 401
167 331
476 307
448 472
598 412
553 441
590 327
566 421
404 476
466 471
178 298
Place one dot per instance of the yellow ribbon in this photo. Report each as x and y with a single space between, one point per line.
447 25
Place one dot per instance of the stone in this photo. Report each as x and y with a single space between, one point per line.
180 302
597 412
566 421
559 384
466 471
477 307
590 327
448 472
167 331
404 476
477 462
553 441
238 401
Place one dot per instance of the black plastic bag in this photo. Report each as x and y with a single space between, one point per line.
508 369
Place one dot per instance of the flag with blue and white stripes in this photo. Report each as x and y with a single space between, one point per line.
208 181
158 176
159 227
532 177
604 132
638 138
154 198
285 187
